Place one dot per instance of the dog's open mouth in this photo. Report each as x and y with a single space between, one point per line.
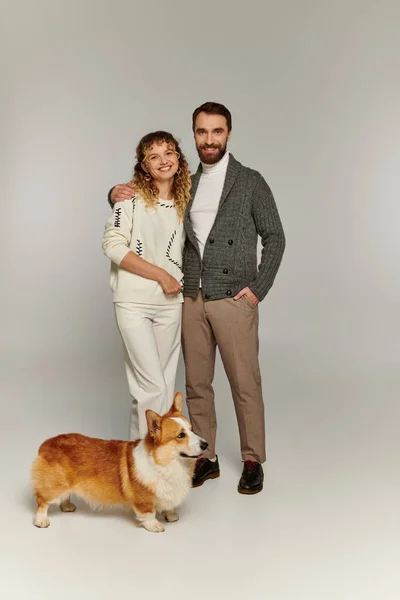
184 455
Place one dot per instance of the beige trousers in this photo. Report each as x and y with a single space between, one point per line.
232 325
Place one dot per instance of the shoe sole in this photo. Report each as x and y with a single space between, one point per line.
250 492
211 476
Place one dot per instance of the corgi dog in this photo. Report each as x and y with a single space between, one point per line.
153 475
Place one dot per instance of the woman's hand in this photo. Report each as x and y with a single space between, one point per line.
170 286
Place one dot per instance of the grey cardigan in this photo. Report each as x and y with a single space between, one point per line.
246 210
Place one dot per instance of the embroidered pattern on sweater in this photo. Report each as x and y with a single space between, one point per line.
139 248
117 220
168 255
133 203
166 205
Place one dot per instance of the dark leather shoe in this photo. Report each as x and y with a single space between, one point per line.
205 469
252 479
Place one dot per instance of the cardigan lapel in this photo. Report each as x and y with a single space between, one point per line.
231 173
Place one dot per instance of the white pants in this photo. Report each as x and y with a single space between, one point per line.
152 339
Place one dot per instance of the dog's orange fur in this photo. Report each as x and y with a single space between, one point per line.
99 470
102 471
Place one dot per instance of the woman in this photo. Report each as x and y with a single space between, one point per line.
144 239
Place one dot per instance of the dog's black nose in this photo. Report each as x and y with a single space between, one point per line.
203 445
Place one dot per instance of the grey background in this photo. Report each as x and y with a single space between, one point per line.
314 92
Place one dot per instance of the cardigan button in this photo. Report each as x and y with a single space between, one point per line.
211 240
228 293
230 242
207 296
225 271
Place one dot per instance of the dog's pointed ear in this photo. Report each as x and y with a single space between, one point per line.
153 424
178 403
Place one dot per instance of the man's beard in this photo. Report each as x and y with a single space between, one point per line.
211 159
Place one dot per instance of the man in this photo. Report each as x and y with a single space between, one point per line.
231 206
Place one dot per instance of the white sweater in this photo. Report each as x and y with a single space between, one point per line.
154 234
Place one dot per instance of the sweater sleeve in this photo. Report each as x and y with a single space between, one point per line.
118 231
269 228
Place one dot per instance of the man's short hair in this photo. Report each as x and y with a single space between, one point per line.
213 108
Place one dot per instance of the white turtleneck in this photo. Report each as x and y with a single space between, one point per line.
206 201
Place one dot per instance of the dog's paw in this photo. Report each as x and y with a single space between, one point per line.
41 522
171 516
67 507
154 526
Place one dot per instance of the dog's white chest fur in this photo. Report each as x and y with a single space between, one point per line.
173 485
172 482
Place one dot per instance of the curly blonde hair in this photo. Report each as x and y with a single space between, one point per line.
147 188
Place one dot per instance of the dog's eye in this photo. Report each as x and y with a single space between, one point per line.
182 435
